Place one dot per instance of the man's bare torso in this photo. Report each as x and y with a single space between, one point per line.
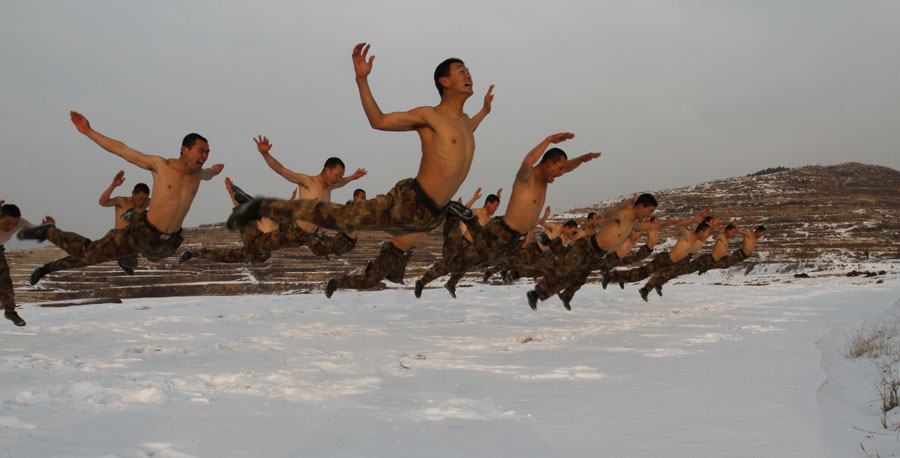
173 193
611 234
525 204
448 146
720 247
314 191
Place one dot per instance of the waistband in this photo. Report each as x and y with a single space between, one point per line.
742 252
425 200
597 247
302 233
516 234
158 232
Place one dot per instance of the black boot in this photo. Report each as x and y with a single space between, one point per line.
38 233
37 275
14 317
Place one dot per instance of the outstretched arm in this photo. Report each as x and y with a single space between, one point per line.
228 184
116 147
474 198
399 121
488 98
105 199
573 164
359 173
208 174
263 146
534 155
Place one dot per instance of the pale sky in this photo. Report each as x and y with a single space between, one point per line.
672 93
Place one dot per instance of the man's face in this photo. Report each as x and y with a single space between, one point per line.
139 199
730 232
360 196
459 79
554 169
569 231
642 211
333 176
704 234
760 234
491 207
196 155
7 223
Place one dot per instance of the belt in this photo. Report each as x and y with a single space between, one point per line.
160 233
294 224
597 247
516 234
425 200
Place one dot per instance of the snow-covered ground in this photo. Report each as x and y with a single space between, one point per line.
750 367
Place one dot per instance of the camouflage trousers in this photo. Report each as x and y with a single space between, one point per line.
703 262
491 244
582 254
736 258
257 244
404 209
657 263
138 237
331 244
579 278
521 261
390 263
7 295
70 262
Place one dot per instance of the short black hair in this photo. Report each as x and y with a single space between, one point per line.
333 162
571 224
701 227
707 219
760 228
10 210
653 219
592 215
555 155
358 191
646 200
442 70
142 188
192 138
491 198
729 227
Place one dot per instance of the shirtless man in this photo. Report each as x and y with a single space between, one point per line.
502 236
483 214
11 221
415 205
315 188
680 253
608 235
259 239
749 244
549 248
139 201
720 247
155 233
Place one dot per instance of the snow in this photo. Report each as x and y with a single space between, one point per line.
715 367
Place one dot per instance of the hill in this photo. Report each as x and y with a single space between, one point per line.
814 215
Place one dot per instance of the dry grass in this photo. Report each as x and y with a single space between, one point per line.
881 344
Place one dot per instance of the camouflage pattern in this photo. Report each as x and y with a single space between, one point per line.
7 295
657 263
523 261
491 244
137 237
71 262
331 244
700 262
390 263
257 244
402 210
579 278
578 261
736 258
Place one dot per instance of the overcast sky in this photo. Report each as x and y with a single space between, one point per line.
672 93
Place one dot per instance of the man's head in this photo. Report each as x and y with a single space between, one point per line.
491 204
452 74
194 150
729 230
552 163
140 194
333 171
760 231
9 217
359 194
644 205
592 217
570 228
702 231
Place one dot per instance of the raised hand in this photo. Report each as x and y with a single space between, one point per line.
294 194
488 98
477 194
228 184
591 156
547 212
119 179
262 144
360 65
217 169
81 123
498 192
560 137
49 220
359 173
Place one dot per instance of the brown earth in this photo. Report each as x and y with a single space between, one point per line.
814 215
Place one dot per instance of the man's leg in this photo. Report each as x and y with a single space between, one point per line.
389 261
326 245
7 295
66 263
659 262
